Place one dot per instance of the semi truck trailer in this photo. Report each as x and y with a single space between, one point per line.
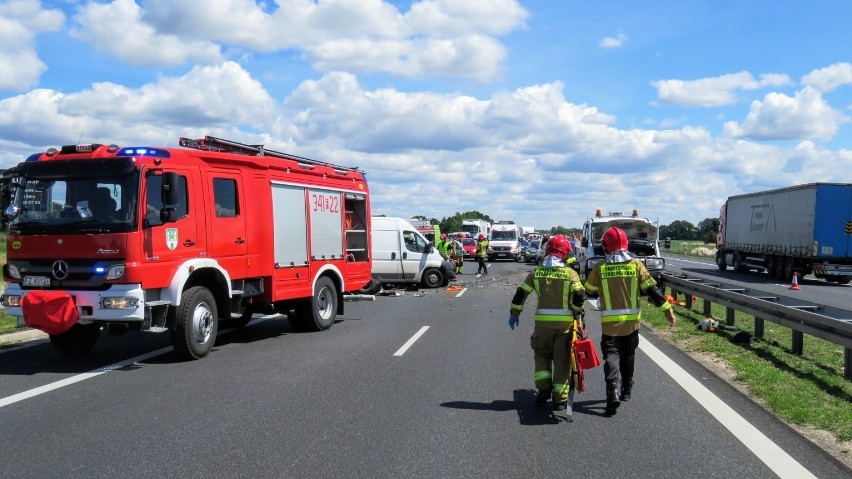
804 229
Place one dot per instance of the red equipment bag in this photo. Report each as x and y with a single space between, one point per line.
53 312
585 354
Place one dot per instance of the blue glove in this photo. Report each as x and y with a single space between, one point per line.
513 321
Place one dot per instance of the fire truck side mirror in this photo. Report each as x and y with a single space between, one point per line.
168 214
170 188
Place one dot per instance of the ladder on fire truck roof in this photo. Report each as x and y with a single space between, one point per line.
211 143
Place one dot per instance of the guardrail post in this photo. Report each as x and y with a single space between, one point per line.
758 327
798 342
847 364
729 316
688 299
707 305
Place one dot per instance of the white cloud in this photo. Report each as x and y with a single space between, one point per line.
515 154
714 91
435 37
613 42
119 28
828 78
780 117
20 22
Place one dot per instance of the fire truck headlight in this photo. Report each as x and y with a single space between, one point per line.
13 271
10 301
115 272
655 263
119 302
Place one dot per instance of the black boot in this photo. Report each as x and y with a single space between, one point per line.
612 401
626 390
542 396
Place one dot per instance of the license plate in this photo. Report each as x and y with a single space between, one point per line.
35 281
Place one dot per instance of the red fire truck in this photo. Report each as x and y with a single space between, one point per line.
102 237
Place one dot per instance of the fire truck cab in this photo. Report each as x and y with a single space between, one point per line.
102 237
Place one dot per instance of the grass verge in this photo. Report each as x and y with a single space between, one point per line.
808 390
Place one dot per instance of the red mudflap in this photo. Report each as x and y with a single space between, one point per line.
53 312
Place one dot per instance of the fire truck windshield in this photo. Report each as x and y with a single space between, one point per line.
74 205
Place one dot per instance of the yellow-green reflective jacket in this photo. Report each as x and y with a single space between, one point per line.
554 288
619 286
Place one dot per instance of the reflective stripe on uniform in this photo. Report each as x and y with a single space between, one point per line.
561 388
539 375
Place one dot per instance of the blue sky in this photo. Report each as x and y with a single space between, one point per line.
538 111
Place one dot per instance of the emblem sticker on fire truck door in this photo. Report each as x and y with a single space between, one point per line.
171 238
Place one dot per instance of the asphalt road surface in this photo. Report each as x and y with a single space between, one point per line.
430 383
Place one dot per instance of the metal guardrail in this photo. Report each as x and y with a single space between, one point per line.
802 317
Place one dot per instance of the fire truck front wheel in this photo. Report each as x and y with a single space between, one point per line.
77 341
319 312
197 323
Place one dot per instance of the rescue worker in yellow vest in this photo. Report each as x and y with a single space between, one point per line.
458 248
560 299
481 253
618 282
444 246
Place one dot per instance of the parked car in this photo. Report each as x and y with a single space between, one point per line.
469 245
533 253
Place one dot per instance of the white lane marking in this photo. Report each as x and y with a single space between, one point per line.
461 292
411 341
104 369
693 262
767 451
79 377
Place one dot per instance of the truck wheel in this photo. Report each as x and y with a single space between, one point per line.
738 264
433 278
843 280
720 261
77 341
778 267
788 269
197 323
318 313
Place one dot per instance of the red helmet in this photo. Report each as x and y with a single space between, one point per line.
481 236
459 235
443 236
558 246
614 239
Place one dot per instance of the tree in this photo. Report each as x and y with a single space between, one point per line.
707 229
679 229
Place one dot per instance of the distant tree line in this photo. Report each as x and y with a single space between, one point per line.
684 230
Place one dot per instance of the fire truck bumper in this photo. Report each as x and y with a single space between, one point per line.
121 303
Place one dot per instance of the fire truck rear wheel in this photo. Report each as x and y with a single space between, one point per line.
77 341
433 278
319 312
197 323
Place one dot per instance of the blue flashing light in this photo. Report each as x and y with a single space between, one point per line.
33 157
100 270
144 151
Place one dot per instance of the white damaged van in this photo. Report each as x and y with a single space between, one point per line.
401 254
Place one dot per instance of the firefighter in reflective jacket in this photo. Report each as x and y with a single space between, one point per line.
560 298
444 247
618 283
